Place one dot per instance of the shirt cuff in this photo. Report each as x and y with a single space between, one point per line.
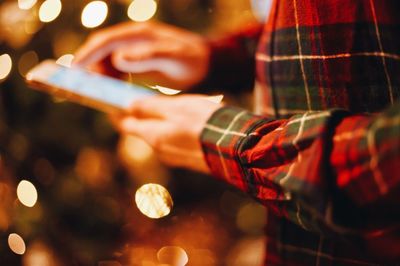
222 140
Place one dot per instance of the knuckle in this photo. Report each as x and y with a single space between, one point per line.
157 144
137 108
93 37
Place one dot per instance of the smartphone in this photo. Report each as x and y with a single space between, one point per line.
84 87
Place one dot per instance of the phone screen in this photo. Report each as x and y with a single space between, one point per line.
98 87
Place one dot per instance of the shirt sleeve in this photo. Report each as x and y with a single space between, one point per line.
330 172
232 60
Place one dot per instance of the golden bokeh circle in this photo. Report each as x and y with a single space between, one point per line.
153 200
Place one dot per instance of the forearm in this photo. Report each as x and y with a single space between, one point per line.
322 170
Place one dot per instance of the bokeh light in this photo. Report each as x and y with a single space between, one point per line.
136 150
32 25
5 66
16 244
17 25
94 167
153 200
142 10
94 14
140 161
248 251
6 203
66 42
251 218
26 4
65 60
49 10
172 255
27 193
27 61
38 253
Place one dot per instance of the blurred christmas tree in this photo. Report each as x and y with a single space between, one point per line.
76 177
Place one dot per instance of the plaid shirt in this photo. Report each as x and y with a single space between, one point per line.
324 155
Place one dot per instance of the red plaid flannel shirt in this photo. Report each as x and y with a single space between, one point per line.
324 155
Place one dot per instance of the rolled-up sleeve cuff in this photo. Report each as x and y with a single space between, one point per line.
221 141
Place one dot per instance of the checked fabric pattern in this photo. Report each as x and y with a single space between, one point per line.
324 155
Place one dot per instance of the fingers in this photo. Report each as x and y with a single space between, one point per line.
161 53
149 130
188 158
157 134
150 108
155 56
172 107
103 42
143 50
156 107
105 67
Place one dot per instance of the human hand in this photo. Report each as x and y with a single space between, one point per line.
172 126
151 52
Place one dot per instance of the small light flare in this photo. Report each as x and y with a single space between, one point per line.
153 200
216 98
65 60
38 253
26 4
172 255
165 90
27 193
94 14
142 10
49 10
5 66
16 244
